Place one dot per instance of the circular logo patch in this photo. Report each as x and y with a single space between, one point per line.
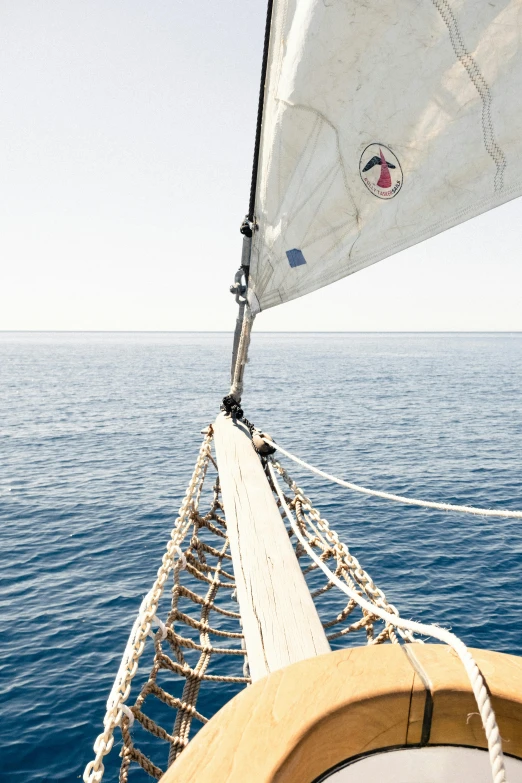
380 171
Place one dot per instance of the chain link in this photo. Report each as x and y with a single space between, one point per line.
348 564
136 643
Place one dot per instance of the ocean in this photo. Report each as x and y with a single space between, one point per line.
98 437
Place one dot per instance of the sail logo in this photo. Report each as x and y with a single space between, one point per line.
380 171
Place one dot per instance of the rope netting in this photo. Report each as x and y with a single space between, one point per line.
198 647
190 645
325 543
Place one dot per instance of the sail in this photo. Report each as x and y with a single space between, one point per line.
385 122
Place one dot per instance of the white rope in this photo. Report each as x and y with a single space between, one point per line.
483 512
236 389
172 558
477 681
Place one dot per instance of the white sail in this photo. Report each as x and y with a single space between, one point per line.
385 122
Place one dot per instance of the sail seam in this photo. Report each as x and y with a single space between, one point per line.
480 84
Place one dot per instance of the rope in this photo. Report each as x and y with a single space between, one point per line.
195 561
241 343
483 512
237 338
476 679
260 105
129 665
236 389
319 535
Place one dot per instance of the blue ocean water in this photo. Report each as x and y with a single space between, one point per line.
98 437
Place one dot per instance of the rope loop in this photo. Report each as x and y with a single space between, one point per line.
182 560
128 714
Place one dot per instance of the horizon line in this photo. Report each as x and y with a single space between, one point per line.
261 331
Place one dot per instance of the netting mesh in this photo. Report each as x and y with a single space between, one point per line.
197 659
190 646
350 617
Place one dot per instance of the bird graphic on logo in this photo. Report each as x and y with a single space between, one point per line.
389 174
384 180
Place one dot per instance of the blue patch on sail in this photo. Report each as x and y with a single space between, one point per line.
295 257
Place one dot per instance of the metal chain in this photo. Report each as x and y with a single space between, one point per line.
122 685
477 681
342 553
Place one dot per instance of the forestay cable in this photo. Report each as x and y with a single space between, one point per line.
483 512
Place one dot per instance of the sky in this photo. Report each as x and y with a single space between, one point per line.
126 138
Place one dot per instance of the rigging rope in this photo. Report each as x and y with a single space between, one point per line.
245 318
236 389
260 106
116 703
483 512
475 677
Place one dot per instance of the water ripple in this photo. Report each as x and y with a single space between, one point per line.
98 436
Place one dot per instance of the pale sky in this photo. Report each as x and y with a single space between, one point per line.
127 130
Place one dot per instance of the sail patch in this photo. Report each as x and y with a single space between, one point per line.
295 257
380 171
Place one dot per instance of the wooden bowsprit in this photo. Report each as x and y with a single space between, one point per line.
280 622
